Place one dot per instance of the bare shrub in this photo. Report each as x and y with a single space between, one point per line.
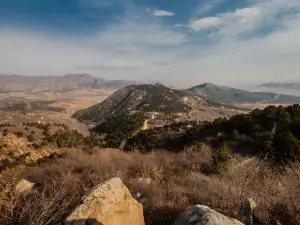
165 183
8 196
50 203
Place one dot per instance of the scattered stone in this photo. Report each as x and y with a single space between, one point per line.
123 145
203 215
110 203
24 186
247 211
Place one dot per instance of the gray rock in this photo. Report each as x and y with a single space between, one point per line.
203 215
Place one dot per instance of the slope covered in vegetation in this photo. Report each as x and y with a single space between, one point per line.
273 133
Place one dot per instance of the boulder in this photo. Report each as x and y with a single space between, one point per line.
109 203
24 186
203 215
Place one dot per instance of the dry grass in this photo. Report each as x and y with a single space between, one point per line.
69 100
177 181
16 146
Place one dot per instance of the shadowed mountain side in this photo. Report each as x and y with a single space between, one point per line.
222 94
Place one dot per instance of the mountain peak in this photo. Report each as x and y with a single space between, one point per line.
206 85
78 75
142 98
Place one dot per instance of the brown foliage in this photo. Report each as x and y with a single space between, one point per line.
176 182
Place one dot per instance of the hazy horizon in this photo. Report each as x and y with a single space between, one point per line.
181 44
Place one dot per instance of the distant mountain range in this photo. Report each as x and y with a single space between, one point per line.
69 82
164 100
208 91
221 94
289 85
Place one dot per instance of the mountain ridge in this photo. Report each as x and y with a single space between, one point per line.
227 95
68 82
284 85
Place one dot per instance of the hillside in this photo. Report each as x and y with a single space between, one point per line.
288 85
271 133
135 108
13 104
69 82
141 98
166 168
226 95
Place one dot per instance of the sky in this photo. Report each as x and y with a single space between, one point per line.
176 42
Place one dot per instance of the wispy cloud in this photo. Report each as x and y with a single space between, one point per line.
248 19
206 6
206 23
147 48
134 45
140 33
161 13
244 16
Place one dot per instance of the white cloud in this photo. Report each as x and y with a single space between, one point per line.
206 6
136 33
132 45
248 19
206 23
239 16
150 50
162 13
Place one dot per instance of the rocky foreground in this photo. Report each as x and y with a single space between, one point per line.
111 203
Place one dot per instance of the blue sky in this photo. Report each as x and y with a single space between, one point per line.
178 42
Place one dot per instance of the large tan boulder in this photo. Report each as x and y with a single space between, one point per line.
203 215
109 203
24 186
